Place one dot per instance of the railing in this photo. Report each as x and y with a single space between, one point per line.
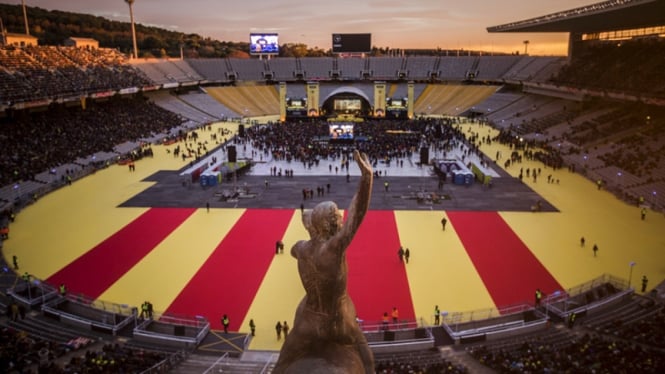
563 303
219 360
619 283
374 326
482 314
167 364
180 319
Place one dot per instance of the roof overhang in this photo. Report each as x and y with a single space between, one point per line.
610 15
347 89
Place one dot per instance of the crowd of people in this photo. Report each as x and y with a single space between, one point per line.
435 365
581 353
23 353
32 143
645 331
50 72
383 141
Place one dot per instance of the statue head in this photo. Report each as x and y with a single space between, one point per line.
323 221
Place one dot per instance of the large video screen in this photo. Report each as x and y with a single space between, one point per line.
263 44
347 104
343 43
340 131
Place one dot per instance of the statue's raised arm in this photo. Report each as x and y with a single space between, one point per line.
359 204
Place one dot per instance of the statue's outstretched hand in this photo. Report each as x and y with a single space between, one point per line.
363 162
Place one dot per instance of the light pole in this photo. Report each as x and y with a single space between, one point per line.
630 274
131 18
25 18
526 45
2 33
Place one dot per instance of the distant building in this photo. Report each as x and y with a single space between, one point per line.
82 42
20 40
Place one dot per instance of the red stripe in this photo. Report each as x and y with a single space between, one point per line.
510 272
96 270
230 278
377 279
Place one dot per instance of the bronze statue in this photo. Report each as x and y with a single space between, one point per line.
326 337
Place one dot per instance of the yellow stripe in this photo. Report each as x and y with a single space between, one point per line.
439 270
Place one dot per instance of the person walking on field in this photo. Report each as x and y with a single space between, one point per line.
252 327
278 329
285 329
443 223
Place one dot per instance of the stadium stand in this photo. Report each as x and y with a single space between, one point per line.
316 68
455 68
46 73
213 69
248 70
385 67
351 68
176 104
620 143
248 101
527 68
451 99
81 133
204 103
283 68
603 66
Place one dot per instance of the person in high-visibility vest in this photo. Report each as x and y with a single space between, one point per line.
144 309
225 323
571 320
62 289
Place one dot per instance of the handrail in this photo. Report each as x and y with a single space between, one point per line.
222 357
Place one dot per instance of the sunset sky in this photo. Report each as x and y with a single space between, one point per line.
451 24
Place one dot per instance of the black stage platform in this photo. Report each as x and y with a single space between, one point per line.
506 194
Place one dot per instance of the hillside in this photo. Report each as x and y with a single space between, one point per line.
53 27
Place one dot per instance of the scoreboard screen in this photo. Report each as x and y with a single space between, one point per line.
351 43
263 44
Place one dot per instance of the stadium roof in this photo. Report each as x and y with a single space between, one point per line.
610 15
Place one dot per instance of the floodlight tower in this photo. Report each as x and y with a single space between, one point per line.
131 18
25 18
526 45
